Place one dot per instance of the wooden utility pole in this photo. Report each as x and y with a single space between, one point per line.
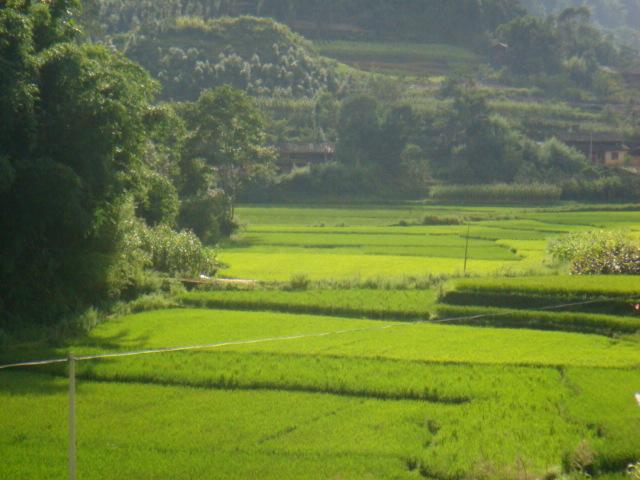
72 417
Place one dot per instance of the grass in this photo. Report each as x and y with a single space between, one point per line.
321 265
605 294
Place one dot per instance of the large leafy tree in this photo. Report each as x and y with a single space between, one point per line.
359 127
472 144
224 149
534 46
71 137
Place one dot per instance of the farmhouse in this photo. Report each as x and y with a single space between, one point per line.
608 151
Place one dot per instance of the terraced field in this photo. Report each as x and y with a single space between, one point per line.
348 378
402 58
277 243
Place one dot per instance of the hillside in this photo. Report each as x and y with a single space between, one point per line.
257 55
395 20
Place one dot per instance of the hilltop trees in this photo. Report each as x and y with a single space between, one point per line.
566 49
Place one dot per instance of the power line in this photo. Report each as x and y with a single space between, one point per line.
190 347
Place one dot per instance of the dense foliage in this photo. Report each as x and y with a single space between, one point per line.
609 13
422 20
257 55
223 150
95 178
566 52
598 253
497 193
64 202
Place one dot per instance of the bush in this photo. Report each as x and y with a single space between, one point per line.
299 282
177 253
442 220
497 193
598 252
145 303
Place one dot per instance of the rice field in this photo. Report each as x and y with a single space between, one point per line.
369 303
366 242
414 399
345 372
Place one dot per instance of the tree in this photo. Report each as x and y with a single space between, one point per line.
358 128
395 131
533 45
71 142
224 149
473 144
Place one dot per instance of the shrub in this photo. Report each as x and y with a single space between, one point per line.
153 301
442 220
598 252
581 460
177 253
299 282
497 193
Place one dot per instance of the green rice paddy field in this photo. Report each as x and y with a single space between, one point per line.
338 243
351 376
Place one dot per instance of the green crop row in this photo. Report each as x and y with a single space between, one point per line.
576 286
537 319
383 304
517 300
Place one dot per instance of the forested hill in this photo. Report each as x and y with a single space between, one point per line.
445 21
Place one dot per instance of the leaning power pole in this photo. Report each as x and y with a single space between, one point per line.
466 250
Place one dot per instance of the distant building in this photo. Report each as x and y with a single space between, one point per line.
300 154
608 151
631 77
